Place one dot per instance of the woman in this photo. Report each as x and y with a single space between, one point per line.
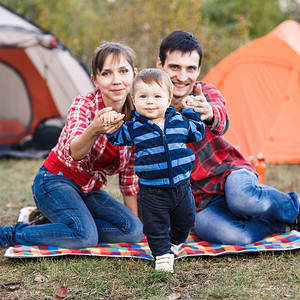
67 188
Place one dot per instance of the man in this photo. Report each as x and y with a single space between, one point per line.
231 206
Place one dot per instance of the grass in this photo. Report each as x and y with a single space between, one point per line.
272 275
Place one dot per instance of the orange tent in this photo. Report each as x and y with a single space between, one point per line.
261 84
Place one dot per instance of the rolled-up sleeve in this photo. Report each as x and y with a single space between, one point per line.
216 100
77 121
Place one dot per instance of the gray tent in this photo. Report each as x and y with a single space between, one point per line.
39 78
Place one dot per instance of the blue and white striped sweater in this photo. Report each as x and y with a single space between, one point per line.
162 158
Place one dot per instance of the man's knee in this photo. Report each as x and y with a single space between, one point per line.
220 233
241 192
202 224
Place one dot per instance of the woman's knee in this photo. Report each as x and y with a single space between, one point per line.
91 241
83 234
135 233
85 239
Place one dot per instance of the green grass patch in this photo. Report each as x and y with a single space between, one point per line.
245 276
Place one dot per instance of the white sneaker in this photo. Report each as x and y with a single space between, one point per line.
164 262
175 248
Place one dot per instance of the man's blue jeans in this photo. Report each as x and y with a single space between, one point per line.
78 220
247 213
163 208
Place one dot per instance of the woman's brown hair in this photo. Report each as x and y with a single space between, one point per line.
117 50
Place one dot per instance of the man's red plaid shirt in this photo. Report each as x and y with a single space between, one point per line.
215 157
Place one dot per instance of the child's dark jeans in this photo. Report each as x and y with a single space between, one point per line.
163 208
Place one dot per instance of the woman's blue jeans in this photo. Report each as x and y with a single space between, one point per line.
78 220
246 213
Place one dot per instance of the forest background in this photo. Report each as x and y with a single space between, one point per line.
221 25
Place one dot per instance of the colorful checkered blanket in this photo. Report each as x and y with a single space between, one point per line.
192 247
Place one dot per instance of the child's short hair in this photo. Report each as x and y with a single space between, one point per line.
150 76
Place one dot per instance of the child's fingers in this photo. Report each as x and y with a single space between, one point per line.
118 118
109 117
104 110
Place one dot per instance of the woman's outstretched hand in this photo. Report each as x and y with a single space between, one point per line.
107 121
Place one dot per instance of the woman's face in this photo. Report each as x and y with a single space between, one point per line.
114 80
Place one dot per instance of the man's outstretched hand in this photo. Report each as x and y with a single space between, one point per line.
200 105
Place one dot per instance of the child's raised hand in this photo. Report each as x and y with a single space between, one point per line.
109 117
200 104
188 102
107 121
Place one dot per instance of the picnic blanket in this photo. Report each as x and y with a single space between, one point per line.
192 247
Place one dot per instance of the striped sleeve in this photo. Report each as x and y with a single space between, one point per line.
122 136
196 127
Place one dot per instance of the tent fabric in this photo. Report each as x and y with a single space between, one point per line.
39 77
261 84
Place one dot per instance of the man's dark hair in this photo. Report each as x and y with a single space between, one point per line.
182 41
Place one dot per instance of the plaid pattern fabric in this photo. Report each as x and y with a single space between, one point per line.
215 157
80 115
192 247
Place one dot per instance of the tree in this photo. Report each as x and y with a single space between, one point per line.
221 26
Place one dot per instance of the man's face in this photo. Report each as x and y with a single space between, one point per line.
183 70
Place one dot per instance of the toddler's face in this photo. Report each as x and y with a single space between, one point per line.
151 101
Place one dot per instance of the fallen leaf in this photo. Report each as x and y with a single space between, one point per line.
12 287
39 278
61 293
174 296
